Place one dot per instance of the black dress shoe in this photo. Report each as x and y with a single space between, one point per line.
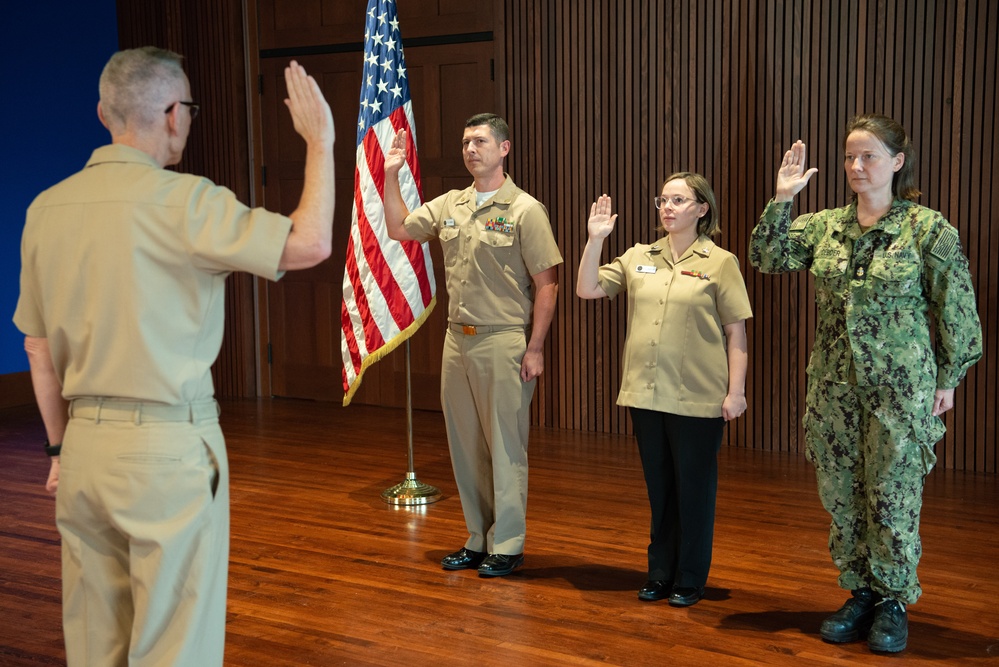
463 559
890 630
853 619
655 589
499 565
684 597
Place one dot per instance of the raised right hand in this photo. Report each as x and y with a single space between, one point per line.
601 222
310 112
396 155
792 177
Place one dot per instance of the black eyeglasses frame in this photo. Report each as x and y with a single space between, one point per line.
193 106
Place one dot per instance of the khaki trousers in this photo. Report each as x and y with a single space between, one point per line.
143 511
487 414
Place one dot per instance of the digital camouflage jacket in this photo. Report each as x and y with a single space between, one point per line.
876 291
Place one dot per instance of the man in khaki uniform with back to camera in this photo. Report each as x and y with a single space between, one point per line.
500 261
122 305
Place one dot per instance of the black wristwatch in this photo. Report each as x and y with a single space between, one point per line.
52 450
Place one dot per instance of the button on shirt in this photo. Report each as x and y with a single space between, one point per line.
490 252
675 356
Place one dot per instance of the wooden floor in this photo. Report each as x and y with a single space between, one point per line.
323 572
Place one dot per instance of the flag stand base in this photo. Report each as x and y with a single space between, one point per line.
411 492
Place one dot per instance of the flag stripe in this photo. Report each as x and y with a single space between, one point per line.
398 305
413 250
360 279
396 272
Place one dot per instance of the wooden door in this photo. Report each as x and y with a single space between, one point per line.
448 83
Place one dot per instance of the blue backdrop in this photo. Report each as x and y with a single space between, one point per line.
52 55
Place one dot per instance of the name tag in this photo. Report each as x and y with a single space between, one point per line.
449 222
645 268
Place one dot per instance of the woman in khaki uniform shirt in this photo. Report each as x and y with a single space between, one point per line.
684 370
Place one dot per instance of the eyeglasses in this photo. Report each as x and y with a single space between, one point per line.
676 200
193 106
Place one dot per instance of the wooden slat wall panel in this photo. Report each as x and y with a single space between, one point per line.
612 95
210 37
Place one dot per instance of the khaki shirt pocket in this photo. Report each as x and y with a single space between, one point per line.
449 244
495 239
503 253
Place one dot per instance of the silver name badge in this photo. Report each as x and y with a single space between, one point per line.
643 268
449 222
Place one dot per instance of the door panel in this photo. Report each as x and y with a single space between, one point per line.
290 24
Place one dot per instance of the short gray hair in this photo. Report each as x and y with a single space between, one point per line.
137 85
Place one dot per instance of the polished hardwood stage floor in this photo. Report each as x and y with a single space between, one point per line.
323 572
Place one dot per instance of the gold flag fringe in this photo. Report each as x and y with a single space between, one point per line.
389 345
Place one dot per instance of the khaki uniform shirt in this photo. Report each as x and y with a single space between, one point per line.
675 355
123 271
490 252
875 290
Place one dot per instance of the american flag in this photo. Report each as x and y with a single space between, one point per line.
388 287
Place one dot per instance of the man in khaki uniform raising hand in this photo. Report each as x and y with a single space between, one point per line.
122 307
500 261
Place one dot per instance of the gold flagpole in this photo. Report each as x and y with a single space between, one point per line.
411 491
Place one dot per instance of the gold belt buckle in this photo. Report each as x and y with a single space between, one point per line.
468 329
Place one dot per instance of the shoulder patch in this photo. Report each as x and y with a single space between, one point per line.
946 244
800 223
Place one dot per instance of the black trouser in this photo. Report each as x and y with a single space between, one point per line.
680 461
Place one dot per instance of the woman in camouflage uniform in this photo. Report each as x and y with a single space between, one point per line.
883 266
